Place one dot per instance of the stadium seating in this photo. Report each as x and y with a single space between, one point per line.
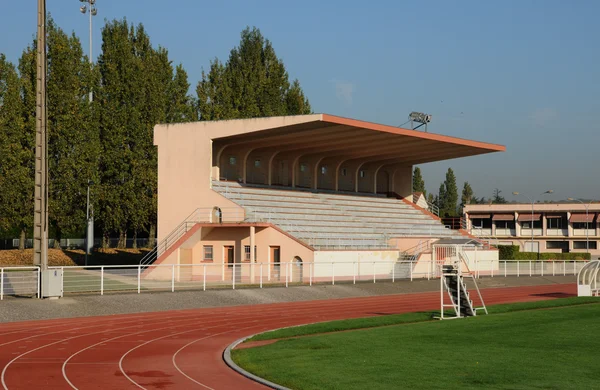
327 219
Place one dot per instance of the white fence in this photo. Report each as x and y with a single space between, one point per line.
19 281
139 279
25 281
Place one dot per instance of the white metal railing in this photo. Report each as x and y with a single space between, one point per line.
146 278
19 281
200 215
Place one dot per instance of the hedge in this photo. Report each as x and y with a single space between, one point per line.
511 252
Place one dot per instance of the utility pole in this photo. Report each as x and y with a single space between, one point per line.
40 220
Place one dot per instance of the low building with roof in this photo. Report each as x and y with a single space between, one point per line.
564 227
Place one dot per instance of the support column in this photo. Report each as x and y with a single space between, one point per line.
252 259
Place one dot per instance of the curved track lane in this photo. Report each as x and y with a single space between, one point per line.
183 349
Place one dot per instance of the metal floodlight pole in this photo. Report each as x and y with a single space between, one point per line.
87 223
40 221
92 10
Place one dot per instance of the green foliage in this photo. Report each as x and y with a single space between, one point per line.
512 252
467 195
15 155
507 252
448 195
252 83
110 140
418 182
139 88
497 198
73 141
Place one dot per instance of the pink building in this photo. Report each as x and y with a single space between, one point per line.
556 227
294 189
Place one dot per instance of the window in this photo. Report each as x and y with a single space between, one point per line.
555 223
257 163
247 253
482 223
583 225
505 224
527 225
363 173
557 245
303 167
232 161
208 253
344 171
583 244
324 170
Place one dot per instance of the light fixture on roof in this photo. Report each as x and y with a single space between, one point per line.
419 117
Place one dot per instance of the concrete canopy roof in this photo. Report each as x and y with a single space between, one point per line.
333 136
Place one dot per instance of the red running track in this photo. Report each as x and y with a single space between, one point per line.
183 349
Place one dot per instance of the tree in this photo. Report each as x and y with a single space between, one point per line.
467 195
450 199
16 146
441 199
497 198
252 83
73 141
418 182
139 88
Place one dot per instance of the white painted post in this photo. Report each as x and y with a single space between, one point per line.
260 275
332 273
233 276
574 267
139 278
373 272
553 263
62 281
2 283
286 274
564 268
505 268
530 268
518 269
393 272
101 280
354 272
173 277
38 283
442 295
204 279
411 270
542 267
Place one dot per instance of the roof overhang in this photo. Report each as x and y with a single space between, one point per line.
332 136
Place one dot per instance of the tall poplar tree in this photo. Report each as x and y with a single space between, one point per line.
73 143
139 89
16 210
252 83
418 182
467 197
450 199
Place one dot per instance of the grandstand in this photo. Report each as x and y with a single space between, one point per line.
296 189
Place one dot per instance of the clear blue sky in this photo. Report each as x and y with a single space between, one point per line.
520 73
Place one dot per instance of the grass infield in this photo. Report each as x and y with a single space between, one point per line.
518 347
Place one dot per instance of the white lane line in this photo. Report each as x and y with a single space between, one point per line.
3 375
173 359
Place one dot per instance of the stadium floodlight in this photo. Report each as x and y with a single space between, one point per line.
419 117
83 9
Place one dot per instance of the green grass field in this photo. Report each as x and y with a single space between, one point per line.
516 348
